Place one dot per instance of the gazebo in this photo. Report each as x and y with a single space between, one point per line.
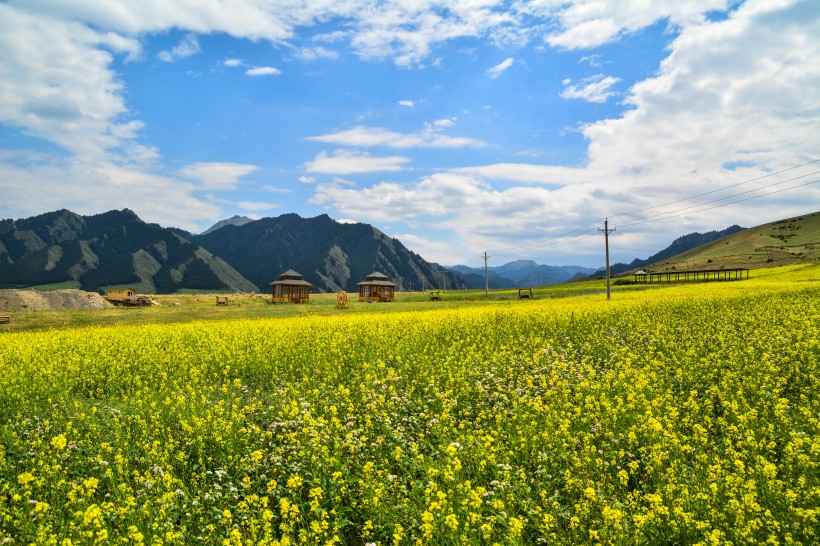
290 288
377 287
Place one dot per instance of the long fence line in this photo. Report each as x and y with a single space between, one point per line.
735 274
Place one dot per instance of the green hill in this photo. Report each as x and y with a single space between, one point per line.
98 252
331 255
784 242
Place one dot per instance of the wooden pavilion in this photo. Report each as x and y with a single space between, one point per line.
377 287
290 288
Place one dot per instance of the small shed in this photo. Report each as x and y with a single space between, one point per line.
377 287
290 288
120 294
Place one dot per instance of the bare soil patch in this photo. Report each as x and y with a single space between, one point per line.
36 300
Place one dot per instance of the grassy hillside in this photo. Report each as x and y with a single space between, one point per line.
784 242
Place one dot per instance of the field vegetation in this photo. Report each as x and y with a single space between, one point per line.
685 414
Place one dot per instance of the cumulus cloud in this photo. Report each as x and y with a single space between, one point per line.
592 89
56 83
263 71
499 69
532 173
232 62
376 136
217 175
443 123
255 206
587 23
347 162
407 103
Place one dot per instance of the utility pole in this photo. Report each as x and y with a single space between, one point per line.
444 278
486 276
607 231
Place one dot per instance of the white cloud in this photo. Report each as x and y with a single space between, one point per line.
593 60
241 19
189 45
56 83
263 71
530 173
590 23
222 176
376 136
592 89
276 189
445 122
232 62
499 69
407 32
254 206
309 54
307 179
346 162
407 103
432 249
712 102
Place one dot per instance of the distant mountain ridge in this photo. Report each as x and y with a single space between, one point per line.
235 220
117 248
108 249
520 274
329 254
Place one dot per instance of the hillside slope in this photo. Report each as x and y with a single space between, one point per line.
784 242
111 249
329 254
678 246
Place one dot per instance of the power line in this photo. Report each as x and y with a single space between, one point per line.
672 215
737 194
721 189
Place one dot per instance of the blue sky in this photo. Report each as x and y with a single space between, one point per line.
458 127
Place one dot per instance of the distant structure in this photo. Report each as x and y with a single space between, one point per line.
290 288
734 274
128 297
377 287
120 295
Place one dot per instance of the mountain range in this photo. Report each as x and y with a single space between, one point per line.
117 249
520 274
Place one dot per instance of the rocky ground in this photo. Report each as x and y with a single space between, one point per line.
36 300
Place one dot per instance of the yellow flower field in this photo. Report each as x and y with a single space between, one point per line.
677 415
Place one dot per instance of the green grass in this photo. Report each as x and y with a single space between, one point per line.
59 286
785 242
179 308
